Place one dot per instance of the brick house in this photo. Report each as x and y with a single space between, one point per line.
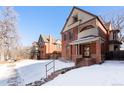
86 38
48 46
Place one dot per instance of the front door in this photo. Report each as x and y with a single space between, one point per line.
86 51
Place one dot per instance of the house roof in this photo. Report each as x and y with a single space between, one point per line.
43 38
84 12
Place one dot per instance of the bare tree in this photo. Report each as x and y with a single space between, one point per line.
24 52
117 22
8 31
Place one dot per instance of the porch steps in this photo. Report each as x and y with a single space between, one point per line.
85 62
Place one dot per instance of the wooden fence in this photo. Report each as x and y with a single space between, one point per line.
115 55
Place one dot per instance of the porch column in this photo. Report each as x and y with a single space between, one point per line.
77 49
98 51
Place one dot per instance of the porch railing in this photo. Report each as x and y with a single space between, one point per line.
50 66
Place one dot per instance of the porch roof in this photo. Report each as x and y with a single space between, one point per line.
84 40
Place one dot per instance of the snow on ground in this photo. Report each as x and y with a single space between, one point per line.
7 73
29 70
3 75
108 73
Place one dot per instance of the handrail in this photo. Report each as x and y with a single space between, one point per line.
49 62
48 69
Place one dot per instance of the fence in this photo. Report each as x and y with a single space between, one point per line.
115 55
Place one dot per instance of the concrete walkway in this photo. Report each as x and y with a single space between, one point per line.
13 76
51 76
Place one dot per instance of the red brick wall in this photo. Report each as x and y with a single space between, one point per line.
65 43
93 47
105 36
98 51
43 52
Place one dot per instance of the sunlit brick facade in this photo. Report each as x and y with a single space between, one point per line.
86 38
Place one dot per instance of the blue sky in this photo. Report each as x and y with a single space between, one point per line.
36 20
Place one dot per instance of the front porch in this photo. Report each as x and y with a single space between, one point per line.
88 51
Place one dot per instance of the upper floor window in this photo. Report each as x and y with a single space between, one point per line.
70 35
87 27
75 18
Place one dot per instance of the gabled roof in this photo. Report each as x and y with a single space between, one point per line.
84 12
43 38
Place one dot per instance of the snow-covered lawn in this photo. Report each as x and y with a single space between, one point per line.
108 73
3 74
29 70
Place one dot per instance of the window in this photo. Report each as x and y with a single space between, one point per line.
86 51
70 35
75 18
67 50
87 27
79 49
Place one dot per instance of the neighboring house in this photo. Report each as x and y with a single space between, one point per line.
86 38
35 52
48 46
